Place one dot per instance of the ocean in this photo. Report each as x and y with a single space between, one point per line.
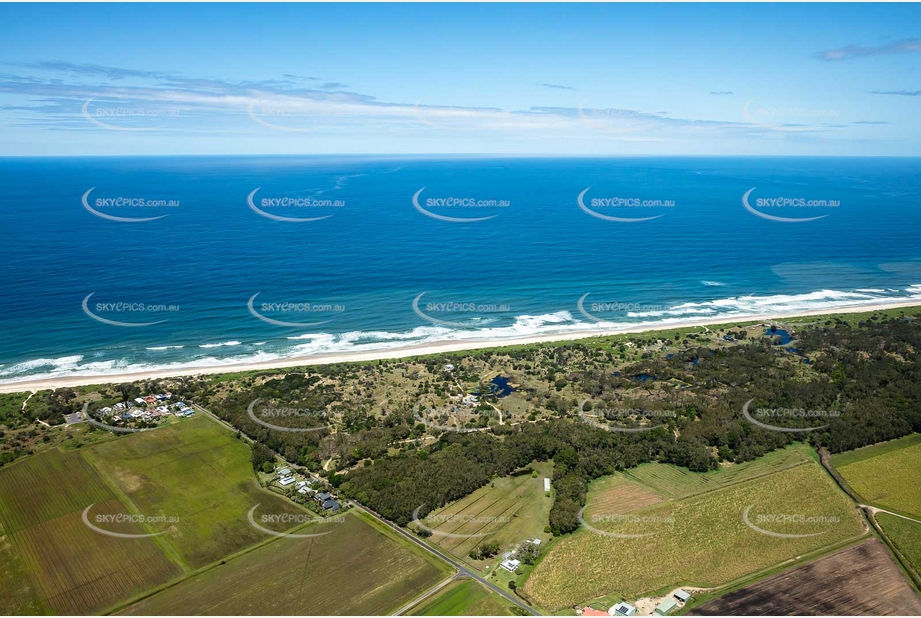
135 263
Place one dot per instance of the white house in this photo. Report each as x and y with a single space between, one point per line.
287 480
510 565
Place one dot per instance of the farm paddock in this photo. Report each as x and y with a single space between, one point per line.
862 580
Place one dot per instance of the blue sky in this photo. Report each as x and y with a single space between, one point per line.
543 79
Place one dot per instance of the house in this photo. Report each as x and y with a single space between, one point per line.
681 596
665 606
284 472
149 399
534 541
286 480
470 401
510 565
546 484
591 611
302 484
140 401
188 412
622 609
322 497
331 505
106 411
302 490
449 367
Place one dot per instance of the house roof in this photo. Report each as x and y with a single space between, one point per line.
591 611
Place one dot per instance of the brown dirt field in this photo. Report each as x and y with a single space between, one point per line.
859 581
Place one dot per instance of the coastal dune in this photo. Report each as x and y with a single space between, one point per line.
408 351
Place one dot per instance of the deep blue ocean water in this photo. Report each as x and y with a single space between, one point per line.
359 269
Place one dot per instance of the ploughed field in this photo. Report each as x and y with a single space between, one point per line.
862 580
355 569
58 562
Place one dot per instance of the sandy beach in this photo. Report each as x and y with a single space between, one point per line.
419 350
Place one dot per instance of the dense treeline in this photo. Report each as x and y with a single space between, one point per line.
864 386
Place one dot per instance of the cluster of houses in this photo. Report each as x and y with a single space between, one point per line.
324 499
668 604
147 408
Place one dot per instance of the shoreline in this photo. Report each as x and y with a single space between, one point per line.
425 349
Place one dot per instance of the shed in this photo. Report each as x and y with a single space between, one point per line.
666 606
546 484
682 596
287 480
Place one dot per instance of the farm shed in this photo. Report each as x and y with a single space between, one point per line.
546 484
683 596
665 606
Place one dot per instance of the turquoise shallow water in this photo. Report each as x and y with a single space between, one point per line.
512 255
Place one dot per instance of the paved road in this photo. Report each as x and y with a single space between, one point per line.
461 569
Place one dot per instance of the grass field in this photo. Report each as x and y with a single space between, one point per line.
200 474
905 535
701 540
618 494
859 581
840 460
463 597
888 476
675 482
508 511
70 568
357 569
